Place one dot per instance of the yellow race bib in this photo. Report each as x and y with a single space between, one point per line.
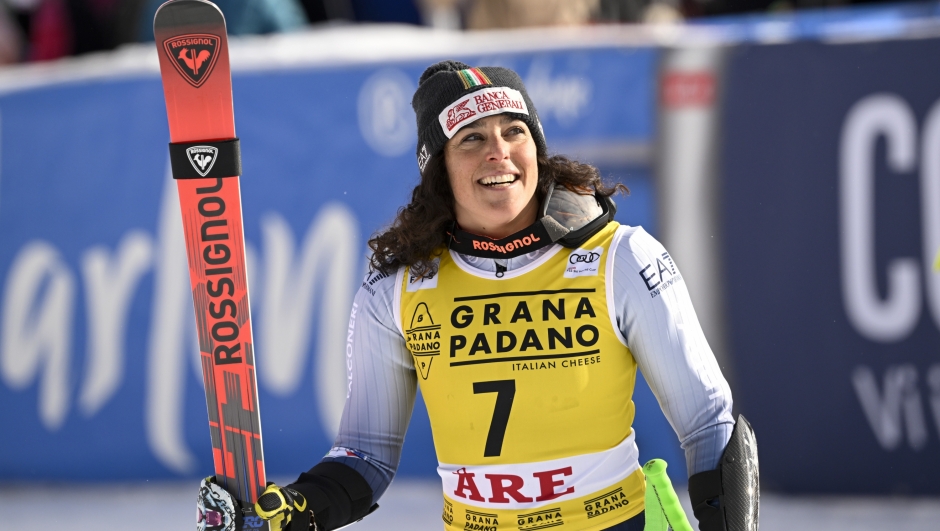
528 386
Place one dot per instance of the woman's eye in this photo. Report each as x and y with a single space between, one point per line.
515 131
472 137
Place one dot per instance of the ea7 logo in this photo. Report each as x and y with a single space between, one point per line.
423 157
660 275
202 158
194 56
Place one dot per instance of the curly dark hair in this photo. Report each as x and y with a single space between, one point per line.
419 231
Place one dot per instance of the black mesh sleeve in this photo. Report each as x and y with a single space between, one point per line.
337 494
704 491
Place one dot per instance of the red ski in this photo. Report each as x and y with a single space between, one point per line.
197 82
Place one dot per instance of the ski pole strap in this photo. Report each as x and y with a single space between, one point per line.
663 510
198 160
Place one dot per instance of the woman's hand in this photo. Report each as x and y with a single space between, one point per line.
282 505
283 508
216 509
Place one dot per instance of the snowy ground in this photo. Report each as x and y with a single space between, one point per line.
408 506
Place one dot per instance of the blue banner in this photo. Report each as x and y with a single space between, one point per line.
890 20
99 371
831 211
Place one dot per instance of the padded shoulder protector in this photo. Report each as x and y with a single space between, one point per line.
728 498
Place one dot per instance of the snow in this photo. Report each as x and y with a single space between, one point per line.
409 505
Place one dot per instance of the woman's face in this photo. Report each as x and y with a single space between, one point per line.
493 173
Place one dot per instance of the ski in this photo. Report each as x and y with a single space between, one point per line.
205 159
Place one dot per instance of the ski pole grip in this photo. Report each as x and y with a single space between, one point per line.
203 160
658 482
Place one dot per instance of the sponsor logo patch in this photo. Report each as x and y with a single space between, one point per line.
370 280
448 513
194 56
540 519
477 521
583 262
253 522
423 157
605 503
493 490
428 282
508 247
342 451
423 339
458 114
486 102
202 158
660 275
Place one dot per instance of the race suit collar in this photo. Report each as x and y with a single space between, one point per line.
525 241
567 217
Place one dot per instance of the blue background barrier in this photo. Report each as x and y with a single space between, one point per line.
868 22
831 215
99 374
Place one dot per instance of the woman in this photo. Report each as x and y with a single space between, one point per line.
505 290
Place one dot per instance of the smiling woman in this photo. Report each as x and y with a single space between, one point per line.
491 165
507 293
485 169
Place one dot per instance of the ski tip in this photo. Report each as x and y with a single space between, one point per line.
176 13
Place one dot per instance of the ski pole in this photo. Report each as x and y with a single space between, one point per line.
663 511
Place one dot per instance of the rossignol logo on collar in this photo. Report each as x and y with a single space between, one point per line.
480 104
583 262
202 158
508 247
523 242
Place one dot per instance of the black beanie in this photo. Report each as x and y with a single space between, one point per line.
451 95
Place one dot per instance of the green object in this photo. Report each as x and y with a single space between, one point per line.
663 511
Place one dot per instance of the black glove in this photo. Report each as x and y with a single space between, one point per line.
285 509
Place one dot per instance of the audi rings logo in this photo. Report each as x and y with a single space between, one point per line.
585 258
583 262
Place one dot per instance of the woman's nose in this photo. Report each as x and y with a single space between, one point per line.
497 148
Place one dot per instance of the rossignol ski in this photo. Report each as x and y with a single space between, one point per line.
205 159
